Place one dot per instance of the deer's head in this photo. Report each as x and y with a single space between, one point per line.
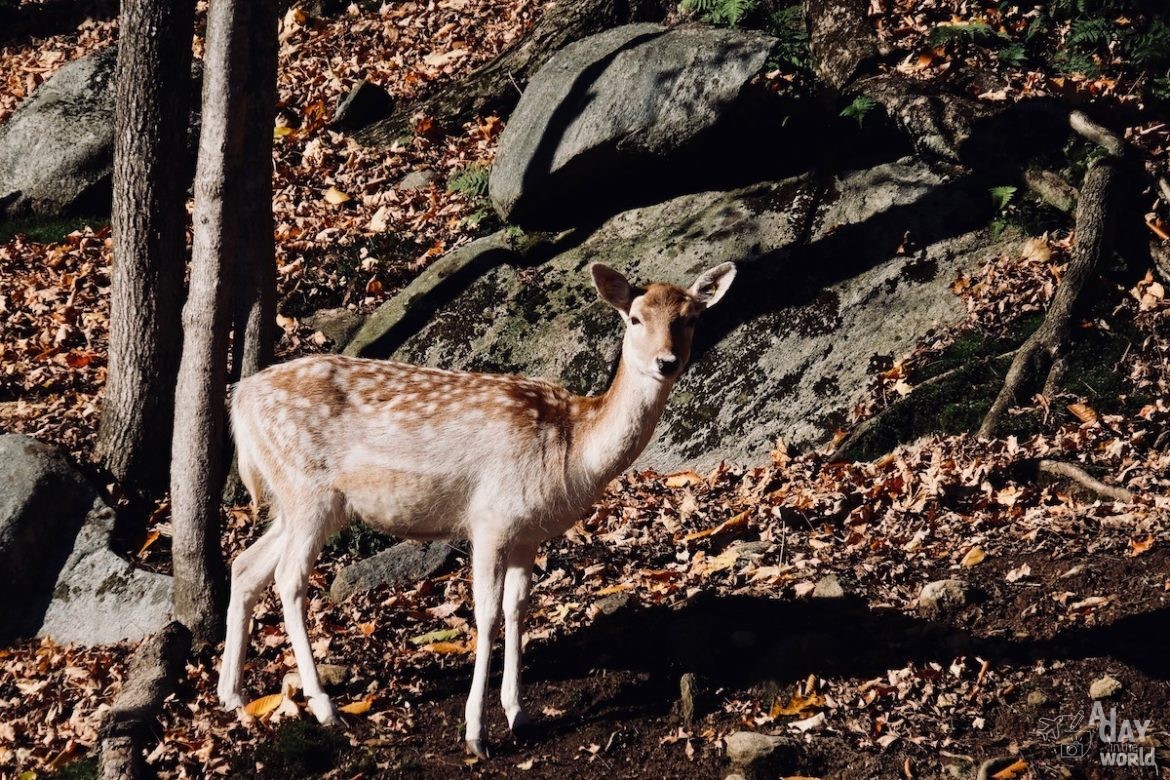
660 319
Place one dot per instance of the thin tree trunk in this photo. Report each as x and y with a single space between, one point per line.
151 115
495 87
1042 353
255 311
197 468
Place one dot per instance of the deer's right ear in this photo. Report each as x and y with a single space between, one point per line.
613 288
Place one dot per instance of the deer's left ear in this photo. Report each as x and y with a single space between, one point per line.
711 285
612 287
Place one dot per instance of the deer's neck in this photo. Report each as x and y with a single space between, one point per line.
613 428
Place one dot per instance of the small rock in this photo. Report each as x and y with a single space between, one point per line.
735 776
331 676
1037 699
610 604
828 587
1104 688
416 180
366 103
745 748
692 698
943 597
337 325
403 564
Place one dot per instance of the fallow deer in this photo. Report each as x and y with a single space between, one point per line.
504 461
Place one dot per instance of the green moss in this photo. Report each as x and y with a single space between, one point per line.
357 539
81 769
48 230
297 748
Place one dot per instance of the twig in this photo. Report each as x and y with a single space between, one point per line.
1084 479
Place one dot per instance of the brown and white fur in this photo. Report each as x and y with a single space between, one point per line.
504 461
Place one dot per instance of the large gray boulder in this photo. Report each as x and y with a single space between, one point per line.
59 576
43 503
631 95
100 597
836 274
56 150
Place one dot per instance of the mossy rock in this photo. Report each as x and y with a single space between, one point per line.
824 286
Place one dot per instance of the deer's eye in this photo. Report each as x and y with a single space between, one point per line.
635 321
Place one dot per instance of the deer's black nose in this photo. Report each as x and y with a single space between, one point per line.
668 365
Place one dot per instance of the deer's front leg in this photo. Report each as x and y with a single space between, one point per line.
517 583
488 561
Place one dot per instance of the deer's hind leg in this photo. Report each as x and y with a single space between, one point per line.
252 571
308 525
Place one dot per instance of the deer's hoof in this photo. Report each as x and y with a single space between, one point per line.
322 709
230 700
521 727
478 748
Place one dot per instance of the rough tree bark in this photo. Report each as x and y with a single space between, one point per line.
1042 353
495 87
845 56
151 113
154 669
255 312
196 469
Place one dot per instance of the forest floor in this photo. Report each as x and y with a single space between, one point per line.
712 574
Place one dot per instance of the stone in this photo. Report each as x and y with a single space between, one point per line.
365 104
828 587
1037 699
614 602
745 748
101 598
944 597
630 95
56 150
1104 688
44 500
693 698
332 676
822 291
337 325
416 180
403 564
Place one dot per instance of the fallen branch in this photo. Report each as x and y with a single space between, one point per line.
154 668
1078 475
1043 350
1052 188
1108 140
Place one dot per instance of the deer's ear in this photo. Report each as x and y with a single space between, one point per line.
711 285
612 287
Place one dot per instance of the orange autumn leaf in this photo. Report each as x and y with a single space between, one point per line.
1084 412
356 708
683 479
732 523
1137 547
1011 770
264 705
973 557
798 705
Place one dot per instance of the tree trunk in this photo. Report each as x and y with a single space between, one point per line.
152 108
255 311
495 87
155 667
197 468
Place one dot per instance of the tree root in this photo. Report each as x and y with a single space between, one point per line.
1043 350
155 666
1081 477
